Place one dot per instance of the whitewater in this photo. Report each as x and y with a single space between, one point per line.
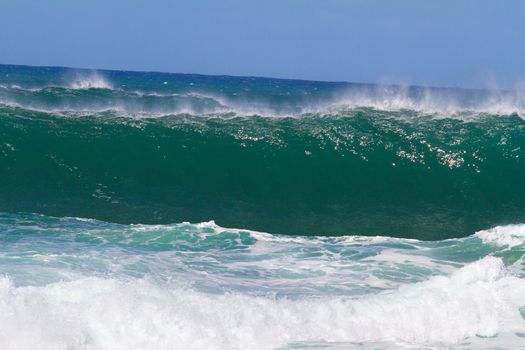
83 284
169 211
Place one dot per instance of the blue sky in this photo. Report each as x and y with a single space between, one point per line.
445 43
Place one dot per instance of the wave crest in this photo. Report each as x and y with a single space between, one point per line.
94 80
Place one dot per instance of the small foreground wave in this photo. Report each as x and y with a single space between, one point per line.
85 284
478 304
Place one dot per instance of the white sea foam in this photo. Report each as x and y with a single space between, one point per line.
262 294
509 235
479 300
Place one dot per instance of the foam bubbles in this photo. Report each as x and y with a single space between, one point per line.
479 300
510 235
84 284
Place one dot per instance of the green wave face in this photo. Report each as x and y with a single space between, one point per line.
355 171
282 156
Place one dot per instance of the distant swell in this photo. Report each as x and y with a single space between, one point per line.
136 94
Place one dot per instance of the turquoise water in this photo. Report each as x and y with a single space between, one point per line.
161 211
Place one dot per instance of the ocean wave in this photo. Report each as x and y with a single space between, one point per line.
373 216
260 173
272 155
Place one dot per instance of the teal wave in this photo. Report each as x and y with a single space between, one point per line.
352 171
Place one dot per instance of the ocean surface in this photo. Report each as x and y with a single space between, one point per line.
179 211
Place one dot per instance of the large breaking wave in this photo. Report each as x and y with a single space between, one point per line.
154 148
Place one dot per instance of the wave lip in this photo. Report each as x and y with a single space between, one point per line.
241 96
434 101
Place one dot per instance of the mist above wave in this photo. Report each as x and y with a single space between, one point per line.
93 80
161 94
